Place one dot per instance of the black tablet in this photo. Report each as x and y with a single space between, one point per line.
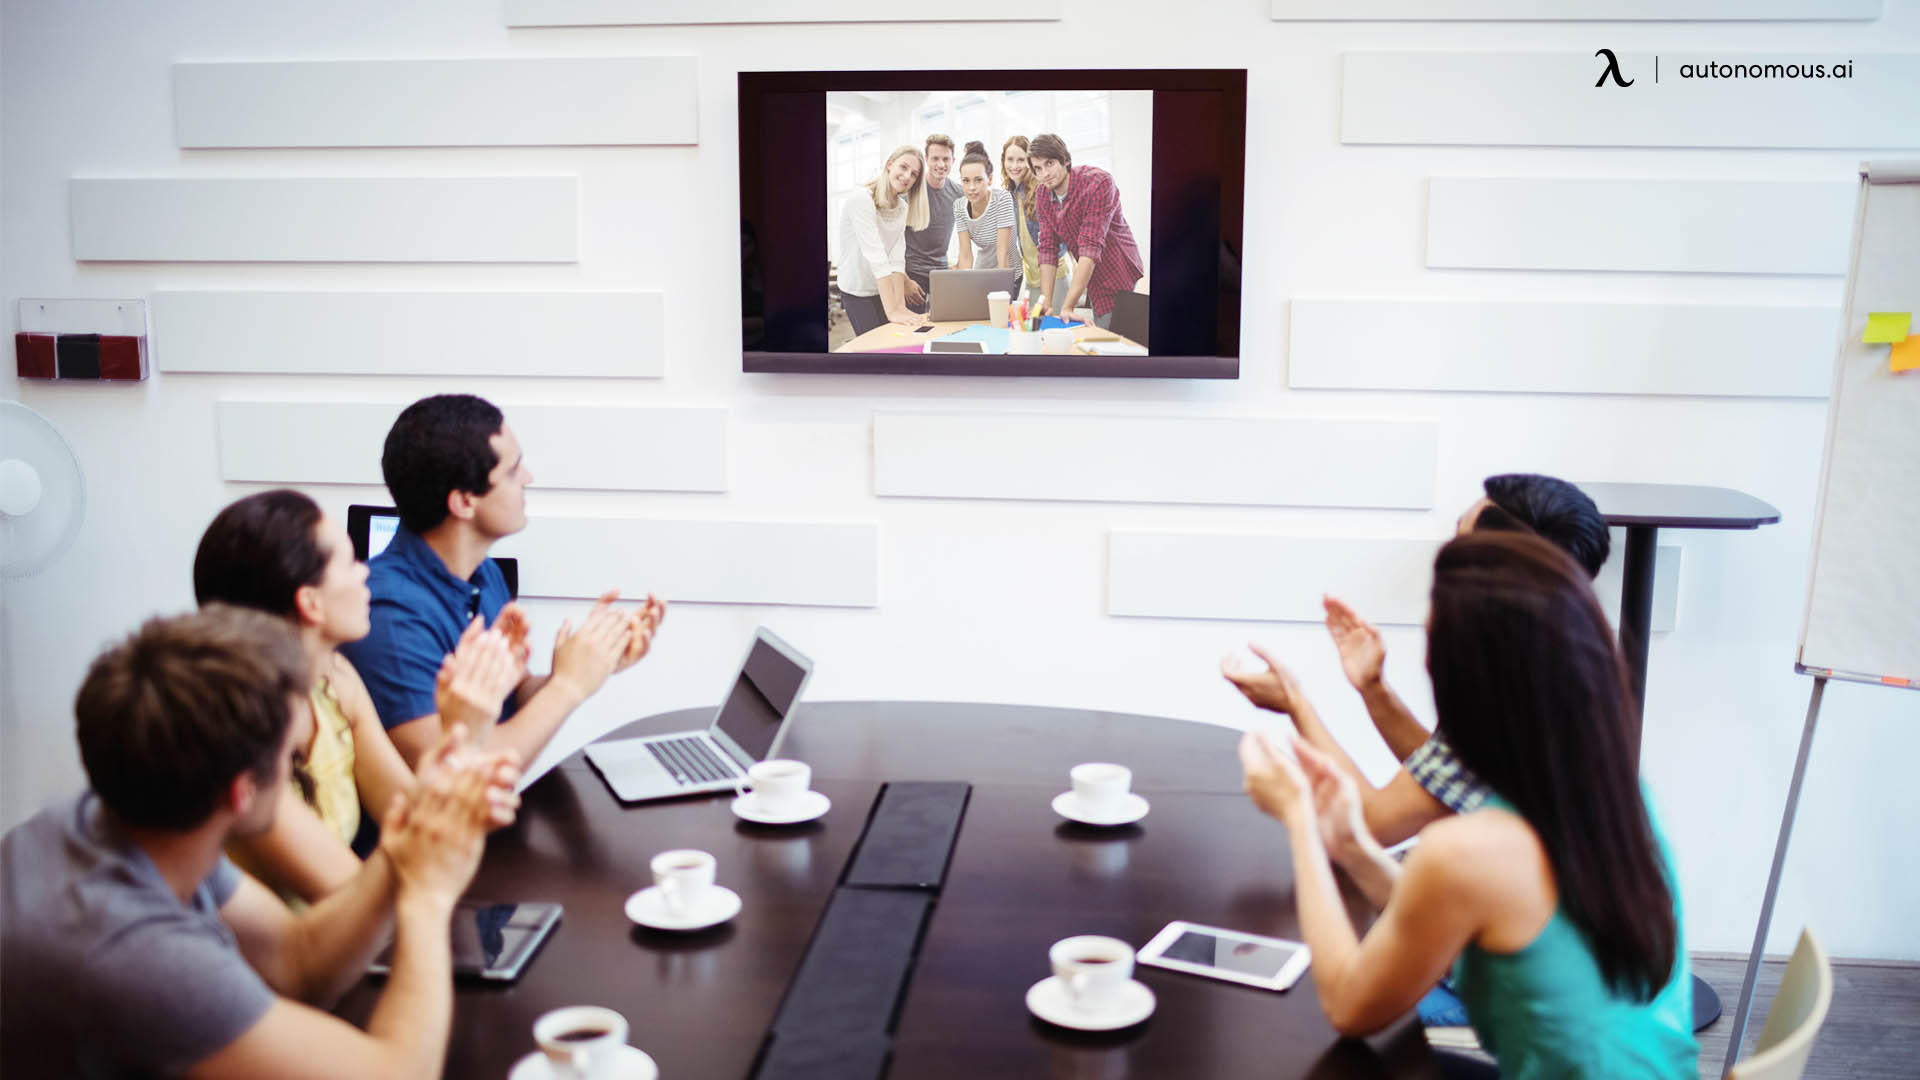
492 941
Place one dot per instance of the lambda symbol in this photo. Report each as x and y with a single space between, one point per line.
1613 69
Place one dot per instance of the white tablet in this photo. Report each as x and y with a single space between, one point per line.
941 345
1268 963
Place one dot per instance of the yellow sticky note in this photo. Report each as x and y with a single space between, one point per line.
1887 326
1905 355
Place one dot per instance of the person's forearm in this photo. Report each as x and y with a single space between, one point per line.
1393 719
893 293
1373 871
1324 925
333 941
1306 720
1048 273
539 717
416 1008
1082 277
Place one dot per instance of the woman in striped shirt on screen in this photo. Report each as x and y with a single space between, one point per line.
873 242
984 216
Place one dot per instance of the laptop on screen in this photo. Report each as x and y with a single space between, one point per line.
749 727
961 295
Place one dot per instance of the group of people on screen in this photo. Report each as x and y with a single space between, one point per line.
307 766
1059 226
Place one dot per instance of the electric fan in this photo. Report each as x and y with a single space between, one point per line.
42 494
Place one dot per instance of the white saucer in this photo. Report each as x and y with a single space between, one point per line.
1126 810
809 806
648 907
633 1064
1048 999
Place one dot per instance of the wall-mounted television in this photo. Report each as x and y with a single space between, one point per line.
1094 229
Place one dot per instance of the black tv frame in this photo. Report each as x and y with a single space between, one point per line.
360 533
1199 190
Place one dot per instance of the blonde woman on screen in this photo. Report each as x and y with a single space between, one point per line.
1016 174
873 242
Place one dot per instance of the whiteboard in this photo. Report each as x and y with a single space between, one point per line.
1863 595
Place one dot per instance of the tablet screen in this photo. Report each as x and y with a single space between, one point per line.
491 938
1259 958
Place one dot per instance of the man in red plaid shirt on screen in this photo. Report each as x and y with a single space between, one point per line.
1079 210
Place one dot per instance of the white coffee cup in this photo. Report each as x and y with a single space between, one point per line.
778 784
683 877
581 1041
1024 343
1057 341
1092 968
997 304
1099 785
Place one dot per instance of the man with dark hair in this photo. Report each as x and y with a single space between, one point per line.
1079 211
457 475
130 946
927 248
1431 782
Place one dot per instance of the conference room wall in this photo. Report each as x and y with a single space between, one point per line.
982 598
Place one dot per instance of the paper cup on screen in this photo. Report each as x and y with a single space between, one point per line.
1024 343
997 304
1056 342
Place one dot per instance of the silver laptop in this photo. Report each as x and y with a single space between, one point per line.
748 728
961 295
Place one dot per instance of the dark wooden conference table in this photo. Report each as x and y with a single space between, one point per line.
1020 879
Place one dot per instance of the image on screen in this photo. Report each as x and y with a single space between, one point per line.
1230 954
762 694
937 199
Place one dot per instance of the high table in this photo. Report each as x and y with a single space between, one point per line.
1644 509
1020 879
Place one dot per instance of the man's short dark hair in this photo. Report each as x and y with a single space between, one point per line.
438 446
1557 510
170 716
1050 146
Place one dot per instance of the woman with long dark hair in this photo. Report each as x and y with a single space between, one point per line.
1554 904
278 553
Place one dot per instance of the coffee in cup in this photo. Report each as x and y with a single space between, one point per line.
683 877
778 784
581 1042
1100 785
1094 969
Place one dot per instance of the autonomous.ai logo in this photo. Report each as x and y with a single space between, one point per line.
1613 69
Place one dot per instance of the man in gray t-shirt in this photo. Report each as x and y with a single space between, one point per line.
927 248
130 946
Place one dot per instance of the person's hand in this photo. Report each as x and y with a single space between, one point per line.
1274 689
1336 803
1275 782
583 658
456 751
1044 307
644 623
906 318
915 294
1361 650
514 624
434 837
475 679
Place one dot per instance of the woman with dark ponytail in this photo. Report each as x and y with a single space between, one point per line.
984 216
1554 904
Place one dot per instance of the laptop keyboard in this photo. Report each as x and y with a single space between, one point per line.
692 761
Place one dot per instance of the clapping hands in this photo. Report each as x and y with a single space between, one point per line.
1361 650
1274 688
435 835
475 679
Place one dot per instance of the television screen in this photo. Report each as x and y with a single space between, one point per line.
1010 223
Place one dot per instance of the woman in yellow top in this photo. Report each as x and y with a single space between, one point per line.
1016 173
278 553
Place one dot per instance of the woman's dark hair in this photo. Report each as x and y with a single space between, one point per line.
439 445
1532 694
977 155
167 718
1551 507
259 552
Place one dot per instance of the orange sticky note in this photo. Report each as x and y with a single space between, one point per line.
1905 355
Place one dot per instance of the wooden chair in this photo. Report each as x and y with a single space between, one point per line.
1794 1019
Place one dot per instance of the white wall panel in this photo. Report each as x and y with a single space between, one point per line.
606 334
1277 578
1738 351
569 446
1705 226
588 101
440 219
713 562
1268 462
1582 10
655 12
1549 99
1282 578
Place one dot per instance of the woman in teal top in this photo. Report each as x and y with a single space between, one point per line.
1554 903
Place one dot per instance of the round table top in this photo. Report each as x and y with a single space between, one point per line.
1020 879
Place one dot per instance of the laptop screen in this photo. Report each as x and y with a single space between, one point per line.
768 684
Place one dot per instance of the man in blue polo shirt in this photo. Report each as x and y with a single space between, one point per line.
457 476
